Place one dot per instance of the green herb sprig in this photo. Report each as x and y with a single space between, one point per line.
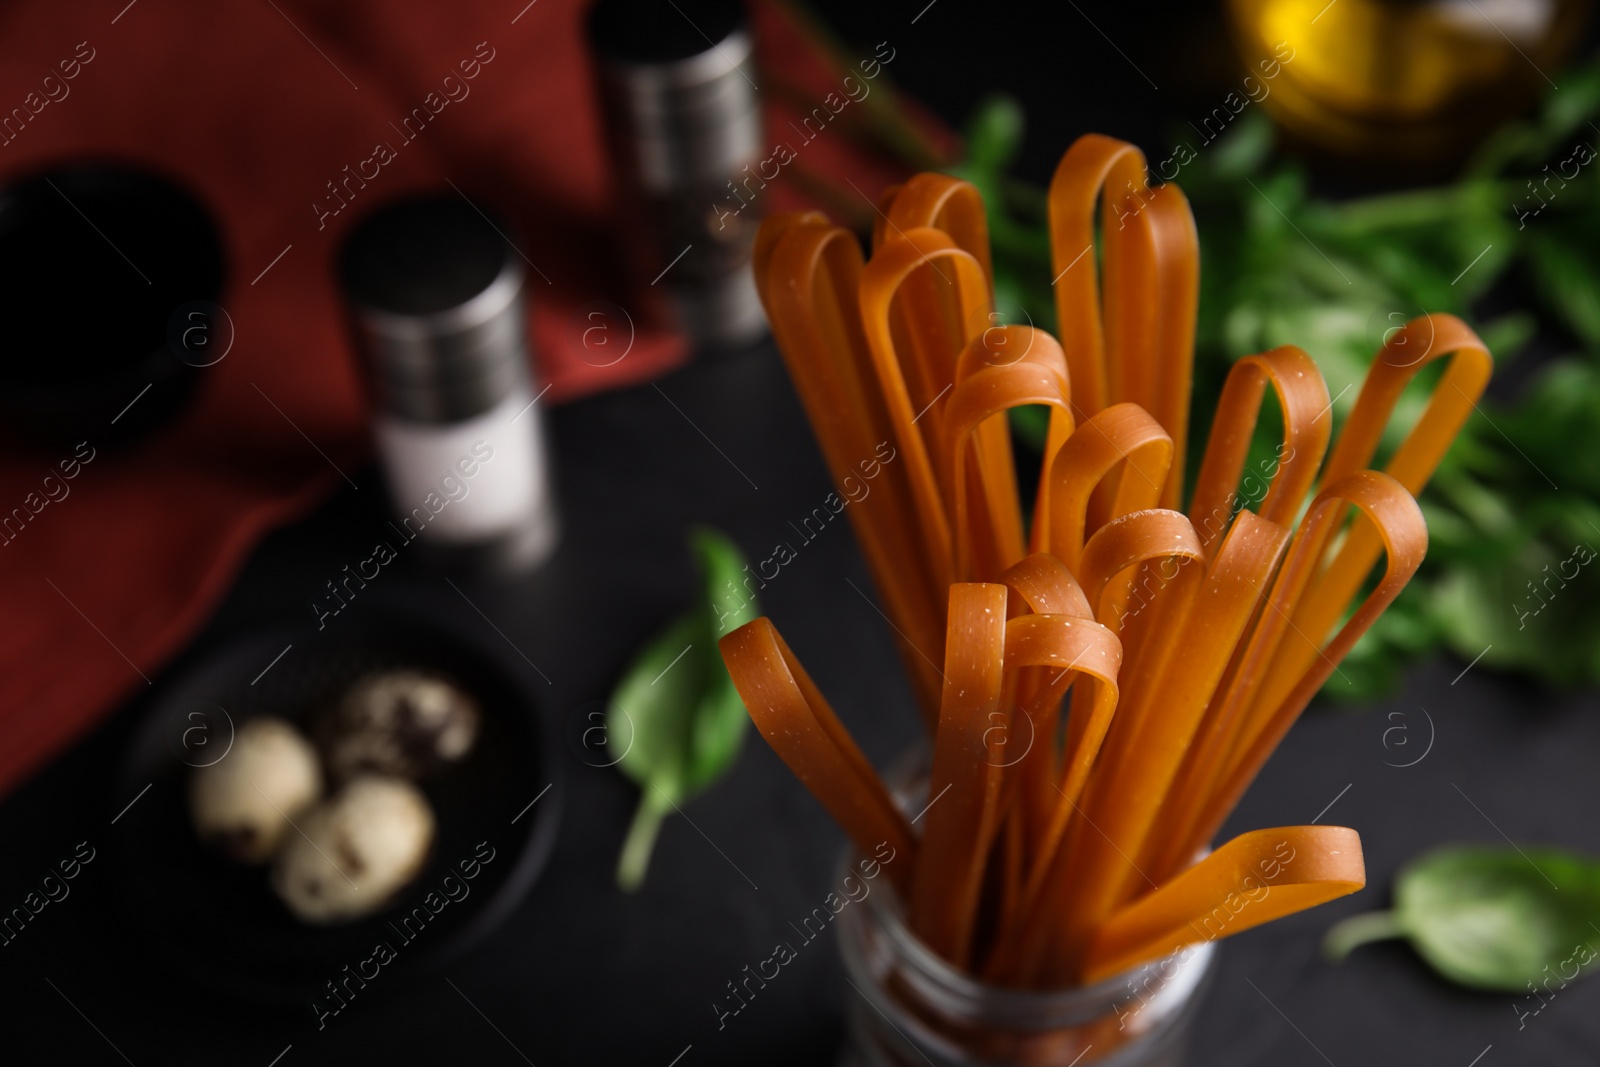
1517 500
675 721
1501 919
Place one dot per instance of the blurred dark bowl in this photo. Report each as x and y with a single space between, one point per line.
104 269
220 922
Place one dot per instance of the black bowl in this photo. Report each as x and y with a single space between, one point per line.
109 278
221 922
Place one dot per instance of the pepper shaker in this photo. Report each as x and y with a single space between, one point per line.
434 297
683 124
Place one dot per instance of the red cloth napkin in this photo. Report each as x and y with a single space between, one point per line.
256 107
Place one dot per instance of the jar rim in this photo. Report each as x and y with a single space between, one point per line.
944 984
948 986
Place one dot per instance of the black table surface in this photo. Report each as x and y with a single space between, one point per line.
584 974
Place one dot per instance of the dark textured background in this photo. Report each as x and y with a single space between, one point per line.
584 975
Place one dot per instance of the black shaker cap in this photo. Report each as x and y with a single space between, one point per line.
661 31
421 256
434 293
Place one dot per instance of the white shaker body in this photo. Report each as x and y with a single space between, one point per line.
471 480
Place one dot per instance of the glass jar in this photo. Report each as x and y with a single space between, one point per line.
910 1008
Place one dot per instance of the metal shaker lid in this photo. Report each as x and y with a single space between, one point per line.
679 78
661 32
434 292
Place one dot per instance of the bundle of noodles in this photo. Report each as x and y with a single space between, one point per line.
1145 661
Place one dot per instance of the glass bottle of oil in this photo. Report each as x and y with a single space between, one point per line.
1414 83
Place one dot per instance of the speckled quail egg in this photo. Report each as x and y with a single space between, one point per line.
359 848
244 803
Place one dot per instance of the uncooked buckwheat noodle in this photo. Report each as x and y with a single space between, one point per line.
1101 688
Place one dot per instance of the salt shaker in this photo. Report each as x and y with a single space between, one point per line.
434 296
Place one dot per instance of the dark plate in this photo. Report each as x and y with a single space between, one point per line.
220 921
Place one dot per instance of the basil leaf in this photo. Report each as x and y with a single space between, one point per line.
675 721
720 722
1376 663
1503 919
994 133
1569 279
1509 334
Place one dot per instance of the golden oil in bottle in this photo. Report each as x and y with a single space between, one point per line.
1412 82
